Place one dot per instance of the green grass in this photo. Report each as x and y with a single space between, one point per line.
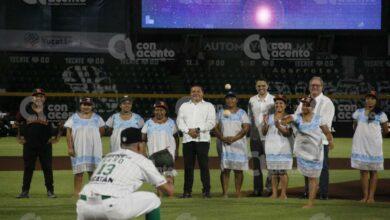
191 209
197 208
9 147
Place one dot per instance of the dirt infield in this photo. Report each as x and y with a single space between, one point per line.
63 163
347 190
351 190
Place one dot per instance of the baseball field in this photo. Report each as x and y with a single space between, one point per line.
344 192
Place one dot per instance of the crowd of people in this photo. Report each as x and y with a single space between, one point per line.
274 137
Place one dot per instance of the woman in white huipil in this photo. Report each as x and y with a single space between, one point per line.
160 135
308 146
231 129
278 147
121 120
84 130
370 124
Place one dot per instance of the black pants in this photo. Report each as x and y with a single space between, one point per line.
196 151
324 177
30 155
257 149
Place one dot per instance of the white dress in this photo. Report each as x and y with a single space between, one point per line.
87 142
118 125
367 153
234 156
308 147
160 136
278 148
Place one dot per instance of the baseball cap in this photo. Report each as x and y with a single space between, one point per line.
131 136
161 104
372 94
280 97
126 98
230 94
38 91
86 100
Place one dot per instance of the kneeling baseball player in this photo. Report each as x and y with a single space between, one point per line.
111 193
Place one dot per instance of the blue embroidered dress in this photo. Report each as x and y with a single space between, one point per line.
86 142
234 156
367 152
118 125
308 147
278 148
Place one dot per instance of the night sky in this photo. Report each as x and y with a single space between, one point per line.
262 14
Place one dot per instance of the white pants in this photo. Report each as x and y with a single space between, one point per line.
132 206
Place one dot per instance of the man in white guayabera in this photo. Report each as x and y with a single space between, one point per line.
196 119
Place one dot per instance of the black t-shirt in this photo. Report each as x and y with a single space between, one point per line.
35 128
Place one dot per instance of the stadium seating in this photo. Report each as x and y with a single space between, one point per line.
153 79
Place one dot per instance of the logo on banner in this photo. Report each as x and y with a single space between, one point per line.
256 48
261 46
91 79
31 39
34 40
56 2
121 48
345 109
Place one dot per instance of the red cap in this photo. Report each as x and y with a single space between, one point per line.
161 104
86 100
372 93
38 91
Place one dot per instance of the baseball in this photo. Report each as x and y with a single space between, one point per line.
228 86
226 113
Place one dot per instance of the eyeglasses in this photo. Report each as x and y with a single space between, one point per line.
316 85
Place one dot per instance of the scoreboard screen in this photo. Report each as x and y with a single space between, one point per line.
263 14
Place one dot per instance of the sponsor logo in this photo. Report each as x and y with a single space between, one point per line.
121 48
34 40
345 111
31 39
58 112
91 79
260 45
256 48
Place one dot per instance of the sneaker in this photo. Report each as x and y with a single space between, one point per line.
51 195
23 195
255 194
324 197
185 196
206 195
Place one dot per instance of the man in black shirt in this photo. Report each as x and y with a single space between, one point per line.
35 134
